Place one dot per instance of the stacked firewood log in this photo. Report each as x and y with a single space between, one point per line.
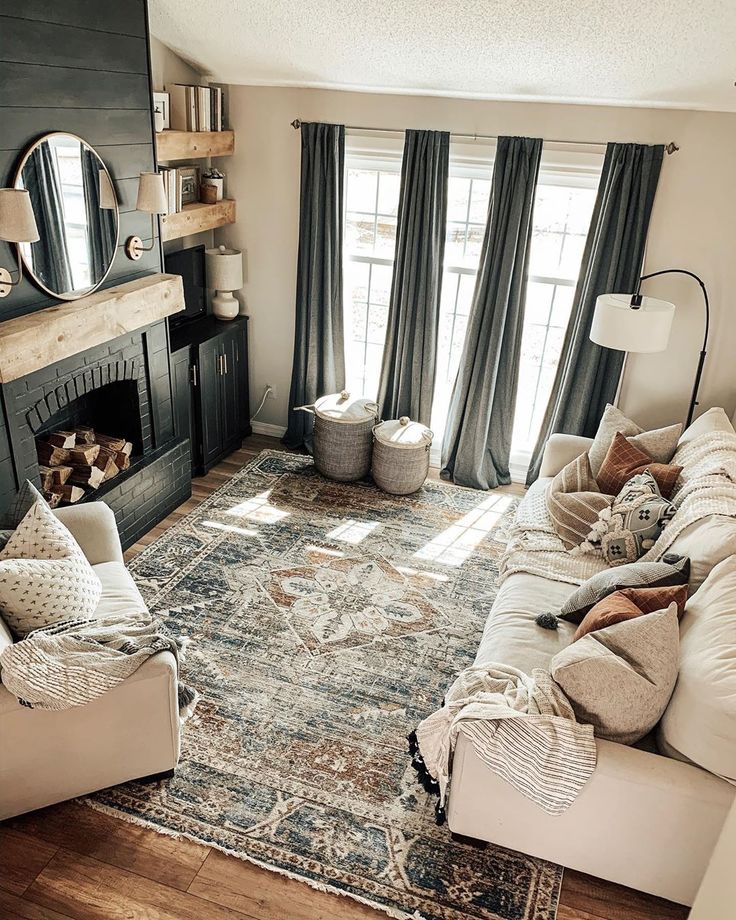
73 462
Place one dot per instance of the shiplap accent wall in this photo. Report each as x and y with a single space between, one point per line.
80 66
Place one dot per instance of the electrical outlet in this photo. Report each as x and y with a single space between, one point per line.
273 392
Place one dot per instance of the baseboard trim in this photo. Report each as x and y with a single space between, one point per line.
275 431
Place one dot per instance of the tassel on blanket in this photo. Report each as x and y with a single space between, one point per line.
426 780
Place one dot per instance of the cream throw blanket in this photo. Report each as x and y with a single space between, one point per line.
707 485
75 661
523 728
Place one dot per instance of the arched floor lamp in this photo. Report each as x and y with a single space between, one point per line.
632 322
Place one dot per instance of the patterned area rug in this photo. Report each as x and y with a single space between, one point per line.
328 620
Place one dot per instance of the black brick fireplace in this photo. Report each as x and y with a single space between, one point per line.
122 388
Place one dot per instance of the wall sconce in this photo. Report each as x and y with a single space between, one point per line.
151 200
17 225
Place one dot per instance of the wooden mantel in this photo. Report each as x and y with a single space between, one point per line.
37 340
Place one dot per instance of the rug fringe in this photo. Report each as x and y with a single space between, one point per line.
294 876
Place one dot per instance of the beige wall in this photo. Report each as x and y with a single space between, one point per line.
693 226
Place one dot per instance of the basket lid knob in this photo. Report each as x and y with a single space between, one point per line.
404 421
344 394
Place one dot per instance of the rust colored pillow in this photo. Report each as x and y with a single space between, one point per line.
629 603
625 460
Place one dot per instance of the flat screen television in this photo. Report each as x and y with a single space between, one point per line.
189 263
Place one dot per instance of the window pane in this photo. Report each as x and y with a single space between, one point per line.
561 305
359 233
361 191
538 302
455 243
479 202
473 244
388 193
385 237
458 190
377 320
381 276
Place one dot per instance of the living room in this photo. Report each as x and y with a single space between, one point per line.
367 461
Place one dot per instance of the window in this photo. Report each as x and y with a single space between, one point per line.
372 202
563 207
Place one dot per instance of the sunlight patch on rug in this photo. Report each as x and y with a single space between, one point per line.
328 619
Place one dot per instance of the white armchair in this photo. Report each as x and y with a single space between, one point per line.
130 732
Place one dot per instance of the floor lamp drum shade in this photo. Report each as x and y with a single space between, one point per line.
643 329
225 275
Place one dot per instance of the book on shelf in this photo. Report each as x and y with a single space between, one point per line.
195 108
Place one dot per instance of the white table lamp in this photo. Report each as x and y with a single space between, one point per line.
225 275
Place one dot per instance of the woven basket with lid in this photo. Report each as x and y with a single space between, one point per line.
400 455
343 435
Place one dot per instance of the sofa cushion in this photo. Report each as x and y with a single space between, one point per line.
706 543
700 722
574 501
511 636
620 679
659 444
44 575
671 570
119 591
625 460
713 420
628 603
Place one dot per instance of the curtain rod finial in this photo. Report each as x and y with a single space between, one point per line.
671 147
296 124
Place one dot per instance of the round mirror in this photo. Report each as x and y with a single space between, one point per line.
76 212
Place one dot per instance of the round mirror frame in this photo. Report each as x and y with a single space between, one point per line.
17 179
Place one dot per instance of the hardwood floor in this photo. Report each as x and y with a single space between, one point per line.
69 862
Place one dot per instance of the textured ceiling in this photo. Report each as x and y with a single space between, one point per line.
629 52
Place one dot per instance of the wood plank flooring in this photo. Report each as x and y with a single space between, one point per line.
69 862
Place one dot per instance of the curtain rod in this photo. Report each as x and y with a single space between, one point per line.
297 123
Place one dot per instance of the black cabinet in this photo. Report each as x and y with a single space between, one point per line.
210 371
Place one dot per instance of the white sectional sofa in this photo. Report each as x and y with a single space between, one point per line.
643 820
131 731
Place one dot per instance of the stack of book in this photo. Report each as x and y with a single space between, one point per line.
181 184
195 108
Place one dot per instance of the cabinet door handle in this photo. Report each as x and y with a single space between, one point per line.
224 361
193 374
219 365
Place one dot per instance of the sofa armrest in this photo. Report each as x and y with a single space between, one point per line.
559 450
93 526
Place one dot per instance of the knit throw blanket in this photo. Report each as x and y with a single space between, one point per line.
707 485
523 728
74 662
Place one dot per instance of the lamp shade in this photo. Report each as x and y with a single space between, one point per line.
17 220
224 269
108 199
646 329
152 194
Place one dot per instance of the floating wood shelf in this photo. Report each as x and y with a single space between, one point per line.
28 343
193 145
196 218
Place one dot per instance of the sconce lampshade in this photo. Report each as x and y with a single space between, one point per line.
17 221
616 324
224 269
108 199
152 194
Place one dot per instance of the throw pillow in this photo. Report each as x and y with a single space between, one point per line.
637 517
629 603
700 722
671 570
44 575
574 501
625 460
619 679
26 498
659 444
709 422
